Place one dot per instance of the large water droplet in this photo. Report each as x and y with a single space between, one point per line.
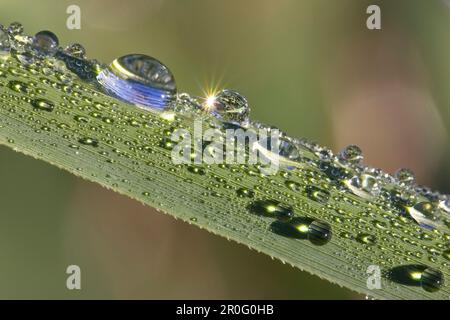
431 280
366 238
426 214
45 41
364 185
319 232
140 80
89 141
229 106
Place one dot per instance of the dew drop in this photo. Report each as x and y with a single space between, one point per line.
197 170
319 232
317 194
43 104
140 80
46 41
272 208
425 214
431 280
351 154
89 141
405 176
15 28
366 238
228 106
294 186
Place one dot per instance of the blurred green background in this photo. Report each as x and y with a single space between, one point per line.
310 67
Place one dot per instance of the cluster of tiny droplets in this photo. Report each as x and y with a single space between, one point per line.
155 85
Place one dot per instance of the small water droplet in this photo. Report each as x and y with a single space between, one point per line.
15 28
89 141
140 80
197 170
43 104
405 176
245 193
272 208
19 86
318 194
293 185
351 154
366 238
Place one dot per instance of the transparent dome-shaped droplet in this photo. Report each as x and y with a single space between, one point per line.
364 185
277 146
405 176
45 41
140 80
4 42
228 106
319 232
426 214
15 28
272 208
366 238
351 154
431 280
318 194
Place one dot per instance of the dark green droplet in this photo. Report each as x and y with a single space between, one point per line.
366 238
197 170
43 104
89 142
293 185
431 280
19 86
79 118
318 194
272 208
167 144
409 275
319 232
245 193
